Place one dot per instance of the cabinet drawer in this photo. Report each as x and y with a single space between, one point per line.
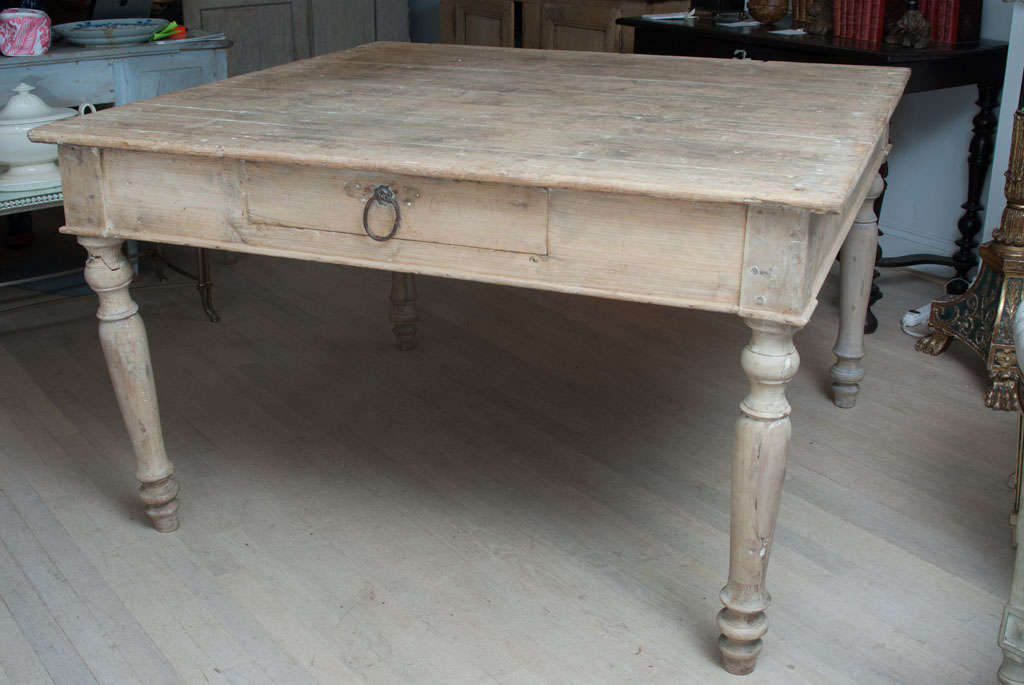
485 215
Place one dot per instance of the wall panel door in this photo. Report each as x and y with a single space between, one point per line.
271 32
580 27
265 32
483 22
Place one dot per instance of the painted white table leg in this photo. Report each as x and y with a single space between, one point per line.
1011 632
758 466
123 338
857 265
403 309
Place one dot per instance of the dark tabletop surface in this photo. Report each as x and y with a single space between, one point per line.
937 66
761 35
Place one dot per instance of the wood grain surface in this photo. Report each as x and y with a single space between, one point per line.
729 131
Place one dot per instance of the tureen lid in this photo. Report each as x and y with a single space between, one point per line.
24 107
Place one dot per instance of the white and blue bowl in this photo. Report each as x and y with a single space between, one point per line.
109 31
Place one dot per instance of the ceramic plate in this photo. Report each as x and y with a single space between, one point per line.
109 31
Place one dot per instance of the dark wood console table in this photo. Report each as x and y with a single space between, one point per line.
940 66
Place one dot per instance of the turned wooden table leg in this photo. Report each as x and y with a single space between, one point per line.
758 467
857 266
123 338
403 309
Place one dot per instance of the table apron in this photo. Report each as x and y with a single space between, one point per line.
764 262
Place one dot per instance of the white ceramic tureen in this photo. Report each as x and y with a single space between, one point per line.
31 165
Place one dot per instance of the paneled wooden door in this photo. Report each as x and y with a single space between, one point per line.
479 22
565 26
271 32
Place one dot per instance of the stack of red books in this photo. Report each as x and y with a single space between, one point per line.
942 15
859 19
953 20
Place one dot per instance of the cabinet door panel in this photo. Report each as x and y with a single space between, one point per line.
485 22
579 27
265 34
271 32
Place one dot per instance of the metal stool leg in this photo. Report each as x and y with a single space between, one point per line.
204 285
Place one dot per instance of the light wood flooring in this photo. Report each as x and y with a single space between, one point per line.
538 494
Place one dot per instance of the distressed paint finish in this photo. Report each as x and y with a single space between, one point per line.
857 264
758 467
126 348
591 202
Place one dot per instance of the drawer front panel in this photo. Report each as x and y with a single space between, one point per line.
491 216
624 247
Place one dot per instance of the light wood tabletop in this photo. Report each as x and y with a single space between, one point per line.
726 185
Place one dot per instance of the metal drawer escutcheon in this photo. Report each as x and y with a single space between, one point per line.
382 195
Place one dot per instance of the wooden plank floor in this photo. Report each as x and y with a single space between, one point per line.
538 494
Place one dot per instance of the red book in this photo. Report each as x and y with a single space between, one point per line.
838 13
873 23
952 21
928 9
879 21
944 17
862 19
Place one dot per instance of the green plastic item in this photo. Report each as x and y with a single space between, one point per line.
165 31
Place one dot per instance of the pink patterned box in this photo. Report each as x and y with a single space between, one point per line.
24 32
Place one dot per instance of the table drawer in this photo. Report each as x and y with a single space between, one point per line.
449 212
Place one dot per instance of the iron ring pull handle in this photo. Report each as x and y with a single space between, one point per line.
382 195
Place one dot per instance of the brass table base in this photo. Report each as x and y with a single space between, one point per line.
982 318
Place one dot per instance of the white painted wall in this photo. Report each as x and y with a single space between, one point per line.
928 165
1011 89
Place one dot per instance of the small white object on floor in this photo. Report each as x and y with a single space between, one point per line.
916 317
692 14
738 24
790 32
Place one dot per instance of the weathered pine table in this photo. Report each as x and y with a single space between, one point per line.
724 185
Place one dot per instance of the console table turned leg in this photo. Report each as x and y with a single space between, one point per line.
871 322
857 266
403 310
979 160
759 464
123 338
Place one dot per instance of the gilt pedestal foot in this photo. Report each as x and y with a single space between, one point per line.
934 343
981 319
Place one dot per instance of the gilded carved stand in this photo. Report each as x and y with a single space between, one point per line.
983 316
